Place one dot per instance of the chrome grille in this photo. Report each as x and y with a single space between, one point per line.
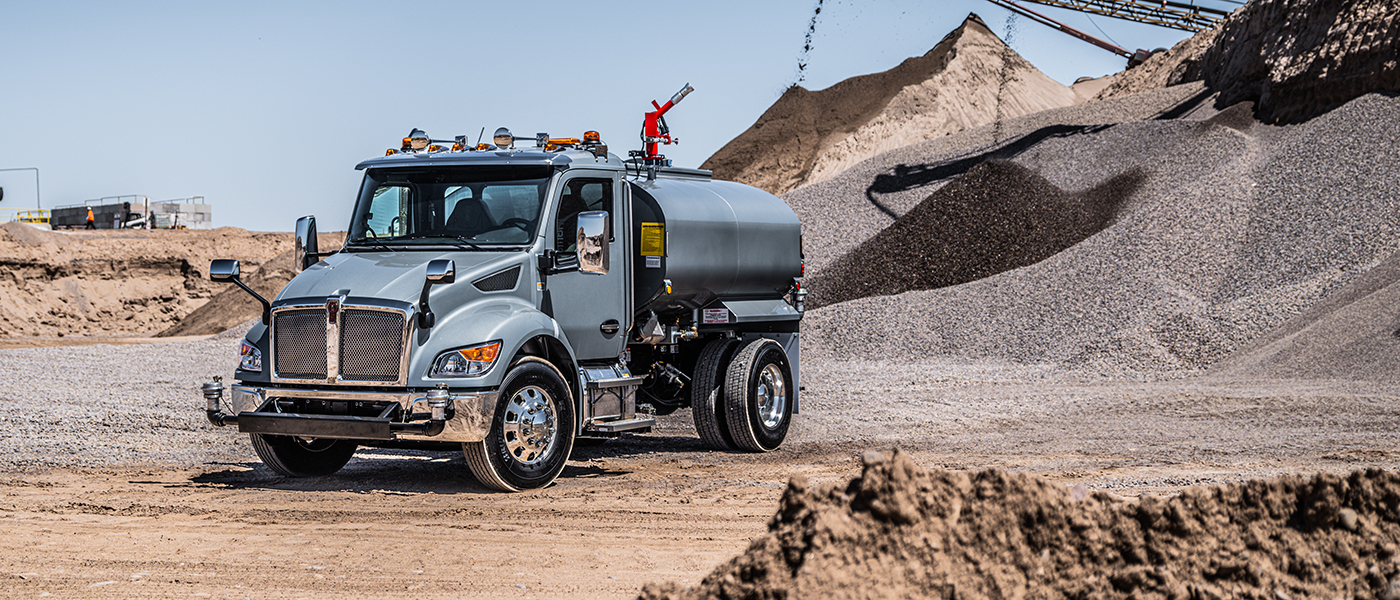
371 345
300 343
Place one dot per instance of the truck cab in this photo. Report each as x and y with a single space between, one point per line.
513 300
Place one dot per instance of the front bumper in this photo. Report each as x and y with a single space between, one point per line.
256 410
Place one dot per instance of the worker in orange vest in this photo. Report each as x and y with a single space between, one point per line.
90 224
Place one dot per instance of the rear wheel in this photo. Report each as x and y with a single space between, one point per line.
707 394
758 396
532 430
302 457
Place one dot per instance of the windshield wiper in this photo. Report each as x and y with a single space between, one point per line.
373 241
424 236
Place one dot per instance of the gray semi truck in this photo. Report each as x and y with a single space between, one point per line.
511 301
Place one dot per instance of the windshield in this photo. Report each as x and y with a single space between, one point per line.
460 206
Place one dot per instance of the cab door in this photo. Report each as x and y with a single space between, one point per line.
591 308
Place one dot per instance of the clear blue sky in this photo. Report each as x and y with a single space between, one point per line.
265 108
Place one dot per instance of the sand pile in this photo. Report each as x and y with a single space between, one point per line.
899 531
1296 59
997 217
963 82
232 306
113 283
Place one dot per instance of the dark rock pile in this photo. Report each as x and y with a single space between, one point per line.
996 217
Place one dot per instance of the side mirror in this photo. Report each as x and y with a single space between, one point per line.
440 270
305 252
593 238
223 270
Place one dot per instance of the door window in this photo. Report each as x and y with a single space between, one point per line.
580 195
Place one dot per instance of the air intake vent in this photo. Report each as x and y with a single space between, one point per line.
300 343
499 282
371 345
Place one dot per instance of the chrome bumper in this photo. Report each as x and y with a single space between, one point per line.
470 421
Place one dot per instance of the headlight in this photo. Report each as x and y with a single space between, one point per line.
466 362
249 358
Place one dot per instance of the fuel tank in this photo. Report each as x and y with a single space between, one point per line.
711 240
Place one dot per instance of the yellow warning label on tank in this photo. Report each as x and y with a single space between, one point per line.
653 239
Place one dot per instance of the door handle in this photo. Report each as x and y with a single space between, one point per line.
610 327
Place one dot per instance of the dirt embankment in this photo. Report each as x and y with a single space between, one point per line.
233 306
970 78
131 283
900 531
1295 59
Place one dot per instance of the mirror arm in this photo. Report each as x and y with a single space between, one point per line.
426 318
267 306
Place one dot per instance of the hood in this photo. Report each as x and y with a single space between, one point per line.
390 275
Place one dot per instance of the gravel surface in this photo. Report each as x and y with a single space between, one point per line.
57 412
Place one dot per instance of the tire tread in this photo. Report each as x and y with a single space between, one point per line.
707 394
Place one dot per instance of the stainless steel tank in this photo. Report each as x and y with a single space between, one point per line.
710 240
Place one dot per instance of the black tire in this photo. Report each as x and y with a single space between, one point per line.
707 394
532 430
758 396
301 457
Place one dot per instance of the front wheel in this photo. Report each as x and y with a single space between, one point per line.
302 457
532 430
758 396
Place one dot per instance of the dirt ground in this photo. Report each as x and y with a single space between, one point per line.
650 508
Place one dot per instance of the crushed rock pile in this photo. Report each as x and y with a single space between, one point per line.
968 79
899 531
1353 334
997 217
1236 228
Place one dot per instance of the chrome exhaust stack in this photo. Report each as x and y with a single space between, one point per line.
213 398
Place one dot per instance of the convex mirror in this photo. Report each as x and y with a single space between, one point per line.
593 238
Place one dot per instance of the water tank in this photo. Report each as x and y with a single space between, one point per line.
711 240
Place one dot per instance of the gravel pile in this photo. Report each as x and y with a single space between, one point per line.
997 217
1236 228
839 214
899 531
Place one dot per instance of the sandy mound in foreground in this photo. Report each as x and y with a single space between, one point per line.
899 531
970 78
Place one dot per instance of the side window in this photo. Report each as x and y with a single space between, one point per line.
581 195
388 215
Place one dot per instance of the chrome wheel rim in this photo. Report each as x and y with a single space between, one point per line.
772 396
530 422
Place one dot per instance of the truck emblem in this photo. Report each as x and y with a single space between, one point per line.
332 309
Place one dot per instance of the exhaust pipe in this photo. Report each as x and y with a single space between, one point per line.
213 398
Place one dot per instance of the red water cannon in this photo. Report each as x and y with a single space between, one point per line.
655 131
